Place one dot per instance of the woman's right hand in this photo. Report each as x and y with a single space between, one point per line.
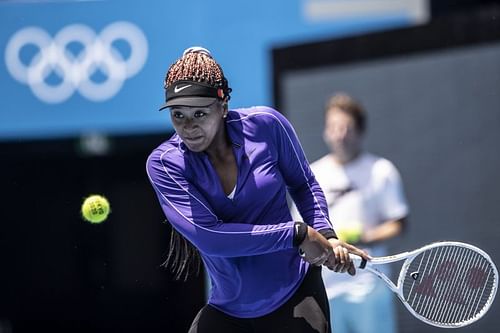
315 249
340 261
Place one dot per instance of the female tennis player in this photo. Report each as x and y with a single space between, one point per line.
221 180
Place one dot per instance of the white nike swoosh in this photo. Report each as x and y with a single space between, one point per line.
179 89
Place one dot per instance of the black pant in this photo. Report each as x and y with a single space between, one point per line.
306 312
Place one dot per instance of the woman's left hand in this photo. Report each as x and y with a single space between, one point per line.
339 260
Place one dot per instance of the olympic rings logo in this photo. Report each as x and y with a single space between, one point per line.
98 56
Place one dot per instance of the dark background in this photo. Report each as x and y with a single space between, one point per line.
61 274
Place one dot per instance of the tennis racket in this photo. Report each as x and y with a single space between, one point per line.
444 284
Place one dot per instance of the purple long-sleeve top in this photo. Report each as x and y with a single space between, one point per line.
246 242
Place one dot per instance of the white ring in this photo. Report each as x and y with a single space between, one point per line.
27 36
99 55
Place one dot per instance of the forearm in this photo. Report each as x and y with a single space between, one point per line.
192 216
233 239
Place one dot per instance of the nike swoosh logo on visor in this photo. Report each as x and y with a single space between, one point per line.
178 89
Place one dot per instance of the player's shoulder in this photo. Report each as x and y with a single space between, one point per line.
256 114
169 153
255 110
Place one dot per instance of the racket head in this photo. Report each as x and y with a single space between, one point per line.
448 284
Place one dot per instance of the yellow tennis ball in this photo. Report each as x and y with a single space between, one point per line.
350 233
95 208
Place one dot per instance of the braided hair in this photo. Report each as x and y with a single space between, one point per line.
198 65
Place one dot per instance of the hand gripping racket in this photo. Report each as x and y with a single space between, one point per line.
444 284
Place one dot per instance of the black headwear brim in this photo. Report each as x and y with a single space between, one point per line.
190 93
189 101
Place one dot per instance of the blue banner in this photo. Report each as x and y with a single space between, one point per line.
75 67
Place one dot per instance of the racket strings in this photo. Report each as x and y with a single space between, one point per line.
452 302
449 284
424 292
445 290
431 301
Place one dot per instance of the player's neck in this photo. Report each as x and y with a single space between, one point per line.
221 147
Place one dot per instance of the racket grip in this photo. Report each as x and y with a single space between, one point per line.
358 261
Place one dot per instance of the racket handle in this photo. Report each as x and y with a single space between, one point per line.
358 261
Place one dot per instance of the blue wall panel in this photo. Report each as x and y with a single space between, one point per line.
68 52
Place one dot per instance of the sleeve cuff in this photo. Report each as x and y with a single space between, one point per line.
328 233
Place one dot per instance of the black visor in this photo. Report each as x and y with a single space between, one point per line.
190 93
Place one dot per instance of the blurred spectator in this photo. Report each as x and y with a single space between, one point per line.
367 206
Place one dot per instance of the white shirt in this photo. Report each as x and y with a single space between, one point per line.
366 192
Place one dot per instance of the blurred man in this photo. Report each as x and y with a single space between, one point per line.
367 207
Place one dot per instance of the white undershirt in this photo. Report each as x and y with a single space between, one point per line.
231 195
